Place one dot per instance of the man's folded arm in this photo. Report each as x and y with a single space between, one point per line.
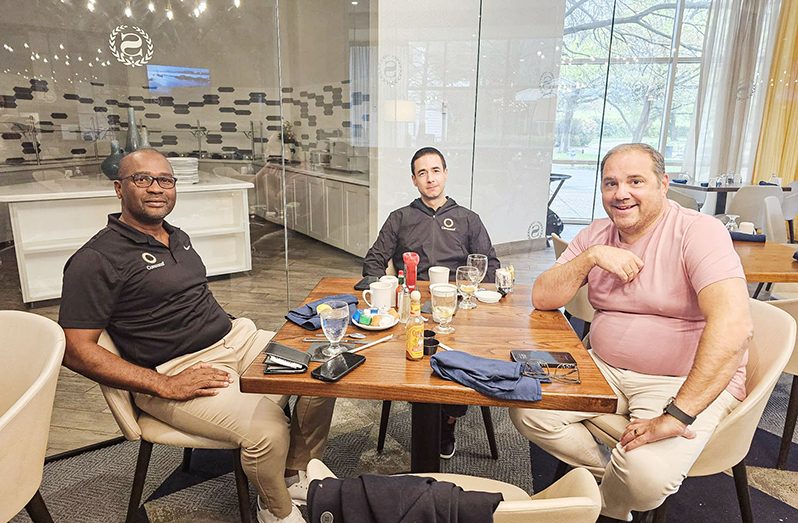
555 287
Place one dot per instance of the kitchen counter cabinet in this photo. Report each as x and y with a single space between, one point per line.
329 206
50 220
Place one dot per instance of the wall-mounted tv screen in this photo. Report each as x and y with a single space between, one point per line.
167 77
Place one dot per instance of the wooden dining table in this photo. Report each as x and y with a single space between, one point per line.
489 330
767 262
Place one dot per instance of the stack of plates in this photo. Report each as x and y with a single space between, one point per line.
186 169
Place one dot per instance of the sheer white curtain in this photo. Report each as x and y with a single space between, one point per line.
738 49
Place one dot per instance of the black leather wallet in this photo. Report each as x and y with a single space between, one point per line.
281 359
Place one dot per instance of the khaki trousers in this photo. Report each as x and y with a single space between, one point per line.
640 479
255 422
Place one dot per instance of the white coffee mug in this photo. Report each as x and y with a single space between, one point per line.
747 228
394 281
438 274
378 295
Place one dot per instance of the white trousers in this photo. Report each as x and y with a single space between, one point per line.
640 479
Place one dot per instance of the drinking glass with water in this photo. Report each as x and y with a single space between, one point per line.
333 323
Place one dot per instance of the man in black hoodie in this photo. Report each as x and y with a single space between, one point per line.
443 234
433 225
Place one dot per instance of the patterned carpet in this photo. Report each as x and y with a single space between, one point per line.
95 486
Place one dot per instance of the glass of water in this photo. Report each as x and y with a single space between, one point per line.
444 302
333 323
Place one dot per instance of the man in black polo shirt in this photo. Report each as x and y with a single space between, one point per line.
140 279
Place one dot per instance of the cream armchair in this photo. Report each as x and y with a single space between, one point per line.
768 353
575 498
31 352
137 425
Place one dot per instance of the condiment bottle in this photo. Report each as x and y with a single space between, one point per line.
414 330
403 303
399 286
411 260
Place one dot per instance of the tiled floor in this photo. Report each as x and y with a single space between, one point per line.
81 417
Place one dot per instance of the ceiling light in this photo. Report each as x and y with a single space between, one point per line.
151 7
60 46
66 63
55 56
203 6
169 14
80 59
45 60
128 11
99 50
354 2
237 3
196 12
90 6
25 45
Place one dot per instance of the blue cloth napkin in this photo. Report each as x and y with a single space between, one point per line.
704 184
795 256
494 378
743 237
679 180
305 315
763 182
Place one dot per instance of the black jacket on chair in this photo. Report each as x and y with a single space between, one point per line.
397 499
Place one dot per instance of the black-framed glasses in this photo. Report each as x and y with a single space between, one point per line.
145 180
548 373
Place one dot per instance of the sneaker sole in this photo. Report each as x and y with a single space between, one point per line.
449 456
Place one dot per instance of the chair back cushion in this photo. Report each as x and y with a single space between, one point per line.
120 401
768 353
31 352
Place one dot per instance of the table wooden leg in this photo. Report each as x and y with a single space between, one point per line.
425 437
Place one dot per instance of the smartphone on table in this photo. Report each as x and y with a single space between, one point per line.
337 367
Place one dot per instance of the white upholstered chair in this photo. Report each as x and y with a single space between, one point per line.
774 222
137 425
31 352
683 199
574 498
749 202
789 207
790 307
579 307
769 352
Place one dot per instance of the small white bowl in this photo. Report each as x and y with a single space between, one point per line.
486 296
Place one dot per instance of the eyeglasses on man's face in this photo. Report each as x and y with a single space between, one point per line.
143 181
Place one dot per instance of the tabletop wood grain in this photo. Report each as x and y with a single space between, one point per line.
767 262
490 330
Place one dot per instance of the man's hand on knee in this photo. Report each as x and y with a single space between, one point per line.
641 431
198 380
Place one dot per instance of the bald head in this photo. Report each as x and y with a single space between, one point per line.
130 161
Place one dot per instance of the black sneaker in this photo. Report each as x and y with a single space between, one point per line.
448 445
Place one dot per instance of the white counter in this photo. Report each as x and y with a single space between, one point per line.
51 219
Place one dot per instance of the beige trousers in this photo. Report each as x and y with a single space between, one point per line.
640 479
255 422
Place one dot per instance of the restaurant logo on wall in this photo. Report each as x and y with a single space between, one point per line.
130 45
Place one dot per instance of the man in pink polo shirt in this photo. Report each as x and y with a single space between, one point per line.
670 333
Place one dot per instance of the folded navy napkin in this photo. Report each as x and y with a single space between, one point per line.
307 317
704 184
494 378
743 237
679 180
763 182
795 256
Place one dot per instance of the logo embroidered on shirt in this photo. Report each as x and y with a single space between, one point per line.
187 246
150 259
448 225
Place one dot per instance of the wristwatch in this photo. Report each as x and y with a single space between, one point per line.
678 413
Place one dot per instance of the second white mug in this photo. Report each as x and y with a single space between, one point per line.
378 295
394 281
438 274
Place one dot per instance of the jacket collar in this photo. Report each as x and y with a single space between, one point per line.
448 204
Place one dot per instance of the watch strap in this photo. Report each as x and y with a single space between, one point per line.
678 413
